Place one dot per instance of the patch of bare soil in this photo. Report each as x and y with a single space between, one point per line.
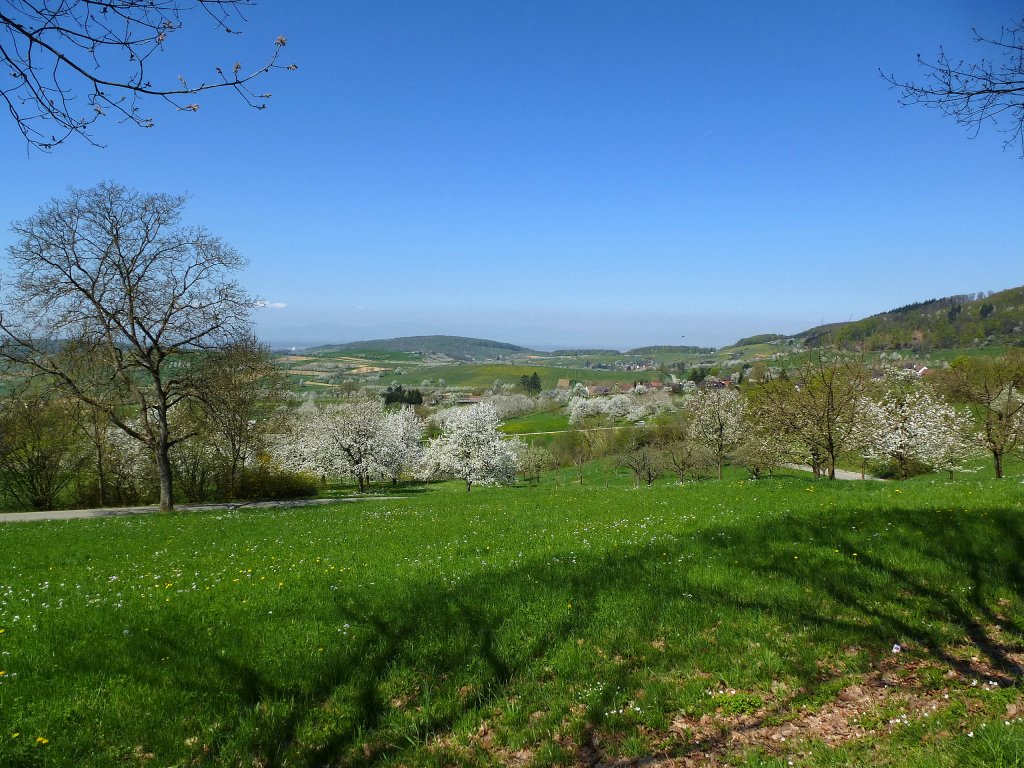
900 689
887 698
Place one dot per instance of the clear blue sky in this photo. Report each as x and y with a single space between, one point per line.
575 173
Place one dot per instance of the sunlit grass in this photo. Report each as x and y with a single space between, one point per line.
454 628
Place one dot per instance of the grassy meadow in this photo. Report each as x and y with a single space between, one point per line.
718 623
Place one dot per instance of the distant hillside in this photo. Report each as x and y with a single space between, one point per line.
969 320
762 338
668 349
457 347
585 352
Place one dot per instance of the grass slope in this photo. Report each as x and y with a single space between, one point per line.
709 622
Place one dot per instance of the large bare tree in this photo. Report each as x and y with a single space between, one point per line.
70 62
111 297
993 388
973 93
821 409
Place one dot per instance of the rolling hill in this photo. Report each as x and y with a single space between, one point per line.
965 321
456 347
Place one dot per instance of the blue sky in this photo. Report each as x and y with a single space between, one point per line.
574 173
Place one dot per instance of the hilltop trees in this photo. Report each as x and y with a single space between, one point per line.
111 300
72 62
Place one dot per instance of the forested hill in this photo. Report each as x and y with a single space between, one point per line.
458 347
970 320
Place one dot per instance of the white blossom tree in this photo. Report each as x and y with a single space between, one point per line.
471 449
401 442
361 440
909 425
583 408
510 406
716 421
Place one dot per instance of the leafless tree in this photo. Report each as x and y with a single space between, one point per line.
974 93
993 387
70 62
111 299
820 409
239 395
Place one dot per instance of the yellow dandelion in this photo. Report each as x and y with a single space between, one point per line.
41 740
16 734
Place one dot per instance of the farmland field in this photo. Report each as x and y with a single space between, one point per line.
541 421
733 621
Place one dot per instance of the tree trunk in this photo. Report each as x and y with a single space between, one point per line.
469 486
163 464
997 457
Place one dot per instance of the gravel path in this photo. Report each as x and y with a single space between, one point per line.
841 474
73 514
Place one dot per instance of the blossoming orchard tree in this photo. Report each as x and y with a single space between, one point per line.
360 440
909 425
716 421
471 449
109 299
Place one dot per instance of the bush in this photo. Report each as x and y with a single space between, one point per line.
267 483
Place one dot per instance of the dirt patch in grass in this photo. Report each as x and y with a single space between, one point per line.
899 690
890 696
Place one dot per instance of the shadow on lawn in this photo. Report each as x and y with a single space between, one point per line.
473 645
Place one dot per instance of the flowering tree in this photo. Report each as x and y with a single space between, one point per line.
471 448
910 425
716 421
584 408
361 440
401 442
533 460
510 406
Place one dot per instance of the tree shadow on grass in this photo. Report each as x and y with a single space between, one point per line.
926 580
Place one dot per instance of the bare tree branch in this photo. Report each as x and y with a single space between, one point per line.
56 51
988 91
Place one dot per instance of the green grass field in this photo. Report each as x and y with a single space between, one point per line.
729 623
541 421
